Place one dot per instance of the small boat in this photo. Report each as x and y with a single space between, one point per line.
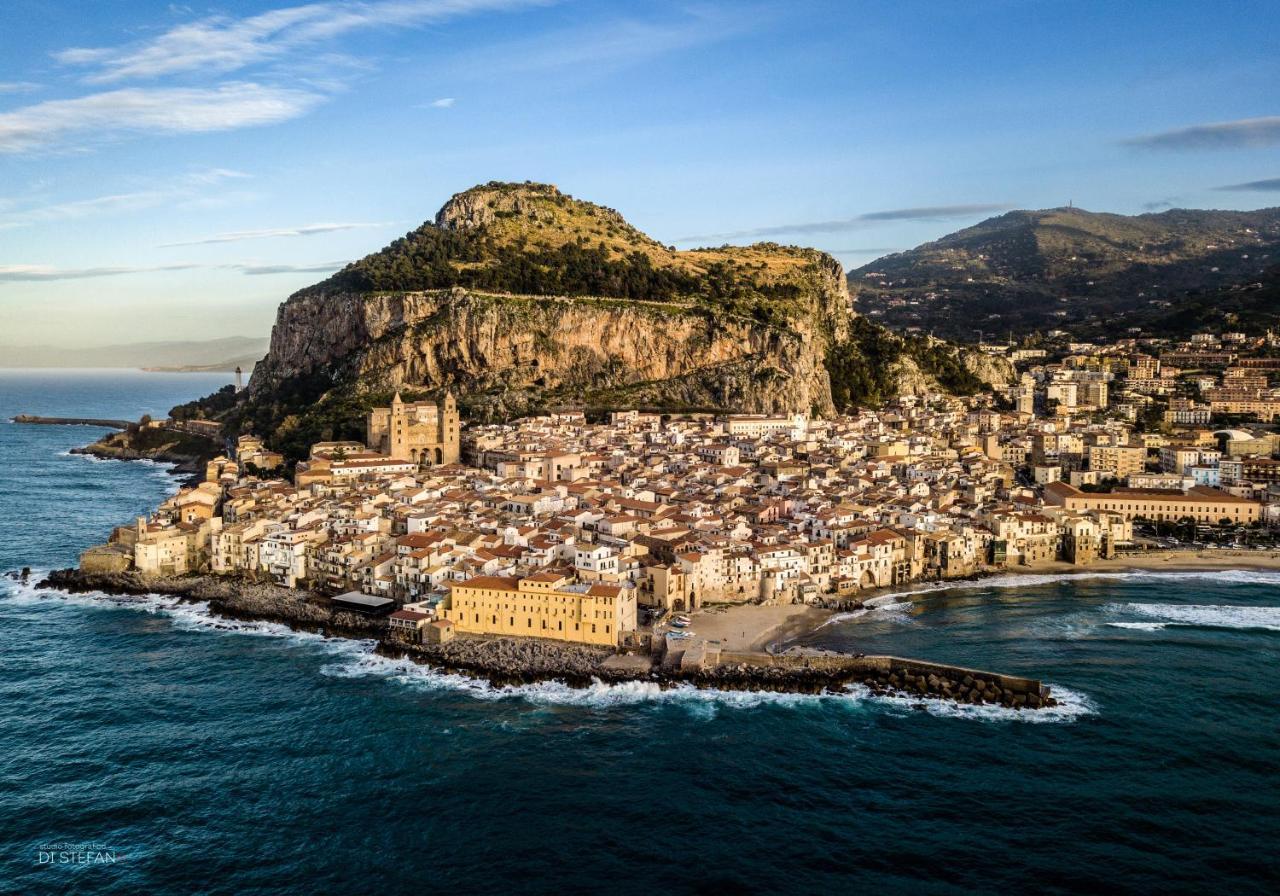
684 620
679 636
679 623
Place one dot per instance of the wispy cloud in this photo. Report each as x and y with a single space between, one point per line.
169 110
35 273
43 273
598 47
18 86
322 268
236 236
184 189
840 225
1270 185
1157 204
221 44
445 102
1247 132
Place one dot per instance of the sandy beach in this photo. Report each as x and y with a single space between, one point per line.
1189 560
751 627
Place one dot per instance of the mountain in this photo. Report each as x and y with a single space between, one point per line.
523 299
1067 268
212 354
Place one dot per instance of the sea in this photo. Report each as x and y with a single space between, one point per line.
148 747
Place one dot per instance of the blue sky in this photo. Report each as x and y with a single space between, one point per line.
174 171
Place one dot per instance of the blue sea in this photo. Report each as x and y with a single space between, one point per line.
147 747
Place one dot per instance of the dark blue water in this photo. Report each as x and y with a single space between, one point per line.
231 758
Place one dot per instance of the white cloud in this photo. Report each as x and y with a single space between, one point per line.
221 44
869 219
239 235
611 45
1246 132
38 273
171 110
18 86
184 189
445 102
327 267
44 273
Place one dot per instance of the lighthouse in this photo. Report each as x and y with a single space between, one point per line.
239 378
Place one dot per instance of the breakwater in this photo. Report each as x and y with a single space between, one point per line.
70 421
513 661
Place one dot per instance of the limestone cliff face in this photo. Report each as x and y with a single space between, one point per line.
522 350
522 299
996 372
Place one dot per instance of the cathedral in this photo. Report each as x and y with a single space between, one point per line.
417 430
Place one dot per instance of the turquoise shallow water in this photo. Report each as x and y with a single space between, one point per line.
213 757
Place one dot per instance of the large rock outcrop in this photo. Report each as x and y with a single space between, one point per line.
521 298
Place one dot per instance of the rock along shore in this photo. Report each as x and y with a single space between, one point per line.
512 661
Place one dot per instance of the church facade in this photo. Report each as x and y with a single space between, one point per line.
417 431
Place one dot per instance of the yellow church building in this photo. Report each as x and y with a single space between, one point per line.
416 431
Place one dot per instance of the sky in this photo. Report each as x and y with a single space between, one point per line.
174 171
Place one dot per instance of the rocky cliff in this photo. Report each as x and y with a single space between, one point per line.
507 354
521 299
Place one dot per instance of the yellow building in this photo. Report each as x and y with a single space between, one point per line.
1118 460
543 605
416 431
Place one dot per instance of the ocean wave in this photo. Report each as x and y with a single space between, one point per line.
898 610
1198 616
1031 580
1071 706
159 466
350 658
703 701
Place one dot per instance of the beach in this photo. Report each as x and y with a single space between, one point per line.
748 627
751 627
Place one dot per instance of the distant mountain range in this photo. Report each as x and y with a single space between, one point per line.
1085 272
212 355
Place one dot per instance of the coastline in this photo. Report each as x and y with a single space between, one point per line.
513 661
776 629
1184 561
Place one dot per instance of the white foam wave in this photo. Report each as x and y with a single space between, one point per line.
702 701
1198 615
162 468
357 659
885 607
1071 706
1139 626
1030 580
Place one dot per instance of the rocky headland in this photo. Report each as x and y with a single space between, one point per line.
522 299
187 453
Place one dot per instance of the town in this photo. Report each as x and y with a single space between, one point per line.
604 533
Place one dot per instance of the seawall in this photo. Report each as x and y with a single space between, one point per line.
506 661
70 421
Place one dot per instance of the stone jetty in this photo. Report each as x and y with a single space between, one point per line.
70 421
